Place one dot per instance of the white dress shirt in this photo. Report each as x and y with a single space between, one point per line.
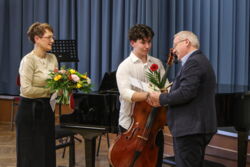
184 59
133 67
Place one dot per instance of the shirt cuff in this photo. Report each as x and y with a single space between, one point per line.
128 95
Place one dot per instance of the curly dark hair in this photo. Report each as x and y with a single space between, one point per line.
140 31
38 29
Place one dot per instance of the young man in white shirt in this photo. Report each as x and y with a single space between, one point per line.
134 67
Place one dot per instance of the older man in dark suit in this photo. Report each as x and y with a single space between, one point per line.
191 102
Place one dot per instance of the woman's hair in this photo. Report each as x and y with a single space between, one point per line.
190 36
38 29
140 31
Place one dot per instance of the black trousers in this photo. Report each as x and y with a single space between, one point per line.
35 133
159 142
190 150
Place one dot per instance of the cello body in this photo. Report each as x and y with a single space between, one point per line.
136 147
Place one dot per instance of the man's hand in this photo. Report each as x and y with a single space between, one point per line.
153 99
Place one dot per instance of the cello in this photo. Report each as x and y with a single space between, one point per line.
136 147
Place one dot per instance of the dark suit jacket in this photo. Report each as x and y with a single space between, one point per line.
191 99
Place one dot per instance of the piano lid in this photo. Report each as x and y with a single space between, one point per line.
232 89
108 84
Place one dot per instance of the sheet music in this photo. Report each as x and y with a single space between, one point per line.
139 84
53 101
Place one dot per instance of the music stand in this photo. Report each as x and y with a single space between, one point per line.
66 51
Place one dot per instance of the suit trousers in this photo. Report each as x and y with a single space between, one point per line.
159 142
190 150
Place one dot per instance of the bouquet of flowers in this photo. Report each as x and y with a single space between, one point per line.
63 81
157 82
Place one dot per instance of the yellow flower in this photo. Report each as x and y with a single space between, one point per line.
57 77
84 76
79 85
72 71
66 80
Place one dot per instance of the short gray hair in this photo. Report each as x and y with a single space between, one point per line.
190 36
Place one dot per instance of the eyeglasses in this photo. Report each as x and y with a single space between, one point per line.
50 37
175 45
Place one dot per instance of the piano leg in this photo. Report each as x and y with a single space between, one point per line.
242 148
90 151
90 144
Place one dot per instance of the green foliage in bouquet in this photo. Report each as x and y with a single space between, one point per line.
154 77
63 81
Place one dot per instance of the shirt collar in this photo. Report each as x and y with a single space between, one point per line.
184 59
135 59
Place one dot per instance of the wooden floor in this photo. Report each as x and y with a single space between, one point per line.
8 151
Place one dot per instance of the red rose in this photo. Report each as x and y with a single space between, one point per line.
154 67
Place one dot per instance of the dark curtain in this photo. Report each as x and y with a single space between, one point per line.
16 16
101 26
223 29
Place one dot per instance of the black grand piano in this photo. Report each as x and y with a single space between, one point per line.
233 109
96 113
